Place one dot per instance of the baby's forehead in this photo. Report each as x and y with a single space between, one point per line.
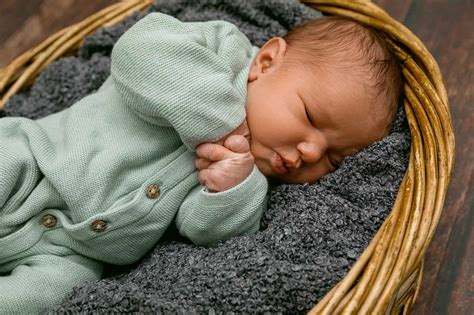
333 86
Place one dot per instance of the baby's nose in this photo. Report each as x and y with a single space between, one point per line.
311 152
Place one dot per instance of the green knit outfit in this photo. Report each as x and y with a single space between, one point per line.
102 180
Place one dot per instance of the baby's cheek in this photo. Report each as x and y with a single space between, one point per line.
264 168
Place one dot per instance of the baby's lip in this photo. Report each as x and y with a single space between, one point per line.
288 163
279 164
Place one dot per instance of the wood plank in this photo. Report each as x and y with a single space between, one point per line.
397 9
11 18
443 26
25 26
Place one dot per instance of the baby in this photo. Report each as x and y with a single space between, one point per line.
329 88
185 131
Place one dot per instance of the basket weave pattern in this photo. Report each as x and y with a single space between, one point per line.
386 277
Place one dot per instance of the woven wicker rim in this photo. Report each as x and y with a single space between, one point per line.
386 277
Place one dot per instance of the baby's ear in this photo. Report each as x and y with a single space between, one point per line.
269 57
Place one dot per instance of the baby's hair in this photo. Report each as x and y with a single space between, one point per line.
339 41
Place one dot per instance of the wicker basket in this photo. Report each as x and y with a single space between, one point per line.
386 278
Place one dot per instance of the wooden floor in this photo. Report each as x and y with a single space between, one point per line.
445 26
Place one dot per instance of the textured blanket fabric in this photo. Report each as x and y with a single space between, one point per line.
310 235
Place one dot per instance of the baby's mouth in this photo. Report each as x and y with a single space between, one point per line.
279 165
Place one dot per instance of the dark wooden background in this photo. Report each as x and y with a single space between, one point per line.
446 28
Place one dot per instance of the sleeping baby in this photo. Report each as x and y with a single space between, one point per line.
188 129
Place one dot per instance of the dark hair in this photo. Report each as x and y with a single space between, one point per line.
336 41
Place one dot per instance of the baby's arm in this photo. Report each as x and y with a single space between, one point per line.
239 198
207 218
190 76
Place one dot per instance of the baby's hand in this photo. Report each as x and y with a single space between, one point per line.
243 130
223 167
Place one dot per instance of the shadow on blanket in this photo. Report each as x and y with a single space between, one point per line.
310 234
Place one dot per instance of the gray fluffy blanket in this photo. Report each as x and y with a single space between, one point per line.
309 237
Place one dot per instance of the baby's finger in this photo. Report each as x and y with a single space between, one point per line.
237 143
203 177
212 152
201 163
206 178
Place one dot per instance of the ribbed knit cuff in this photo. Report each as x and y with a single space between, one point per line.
255 181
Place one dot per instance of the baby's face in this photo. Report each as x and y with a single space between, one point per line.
303 124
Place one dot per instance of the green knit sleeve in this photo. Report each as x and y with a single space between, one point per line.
190 76
207 218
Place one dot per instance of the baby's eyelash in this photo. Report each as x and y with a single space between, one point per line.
307 115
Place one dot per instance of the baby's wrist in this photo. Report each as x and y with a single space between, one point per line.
232 183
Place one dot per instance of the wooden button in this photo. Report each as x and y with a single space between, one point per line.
152 191
99 226
49 220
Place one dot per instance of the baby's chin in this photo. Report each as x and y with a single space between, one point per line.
273 179
295 178
262 168
278 180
